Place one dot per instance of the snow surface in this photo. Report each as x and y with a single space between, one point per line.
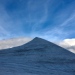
38 57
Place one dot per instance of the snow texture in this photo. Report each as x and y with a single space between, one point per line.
38 57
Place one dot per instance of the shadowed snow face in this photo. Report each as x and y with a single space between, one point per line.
38 57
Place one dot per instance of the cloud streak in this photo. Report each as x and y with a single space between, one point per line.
68 20
58 31
43 13
3 20
46 18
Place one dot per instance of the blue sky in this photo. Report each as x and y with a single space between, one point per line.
53 20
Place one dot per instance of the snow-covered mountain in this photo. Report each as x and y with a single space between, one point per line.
37 57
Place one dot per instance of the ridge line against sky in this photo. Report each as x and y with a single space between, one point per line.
53 20
68 44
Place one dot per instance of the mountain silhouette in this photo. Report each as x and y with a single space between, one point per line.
37 57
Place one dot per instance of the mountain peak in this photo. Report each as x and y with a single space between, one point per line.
40 40
38 57
37 38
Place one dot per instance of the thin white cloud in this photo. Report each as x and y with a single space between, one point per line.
58 31
43 18
68 20
3 21
7 25
3 31
32 22
62 20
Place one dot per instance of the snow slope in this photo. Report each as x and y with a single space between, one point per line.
38 57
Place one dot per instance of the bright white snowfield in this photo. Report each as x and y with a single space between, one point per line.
38 57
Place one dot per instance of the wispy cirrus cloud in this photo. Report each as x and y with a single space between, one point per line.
59 31
49 19
3 21
40 16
